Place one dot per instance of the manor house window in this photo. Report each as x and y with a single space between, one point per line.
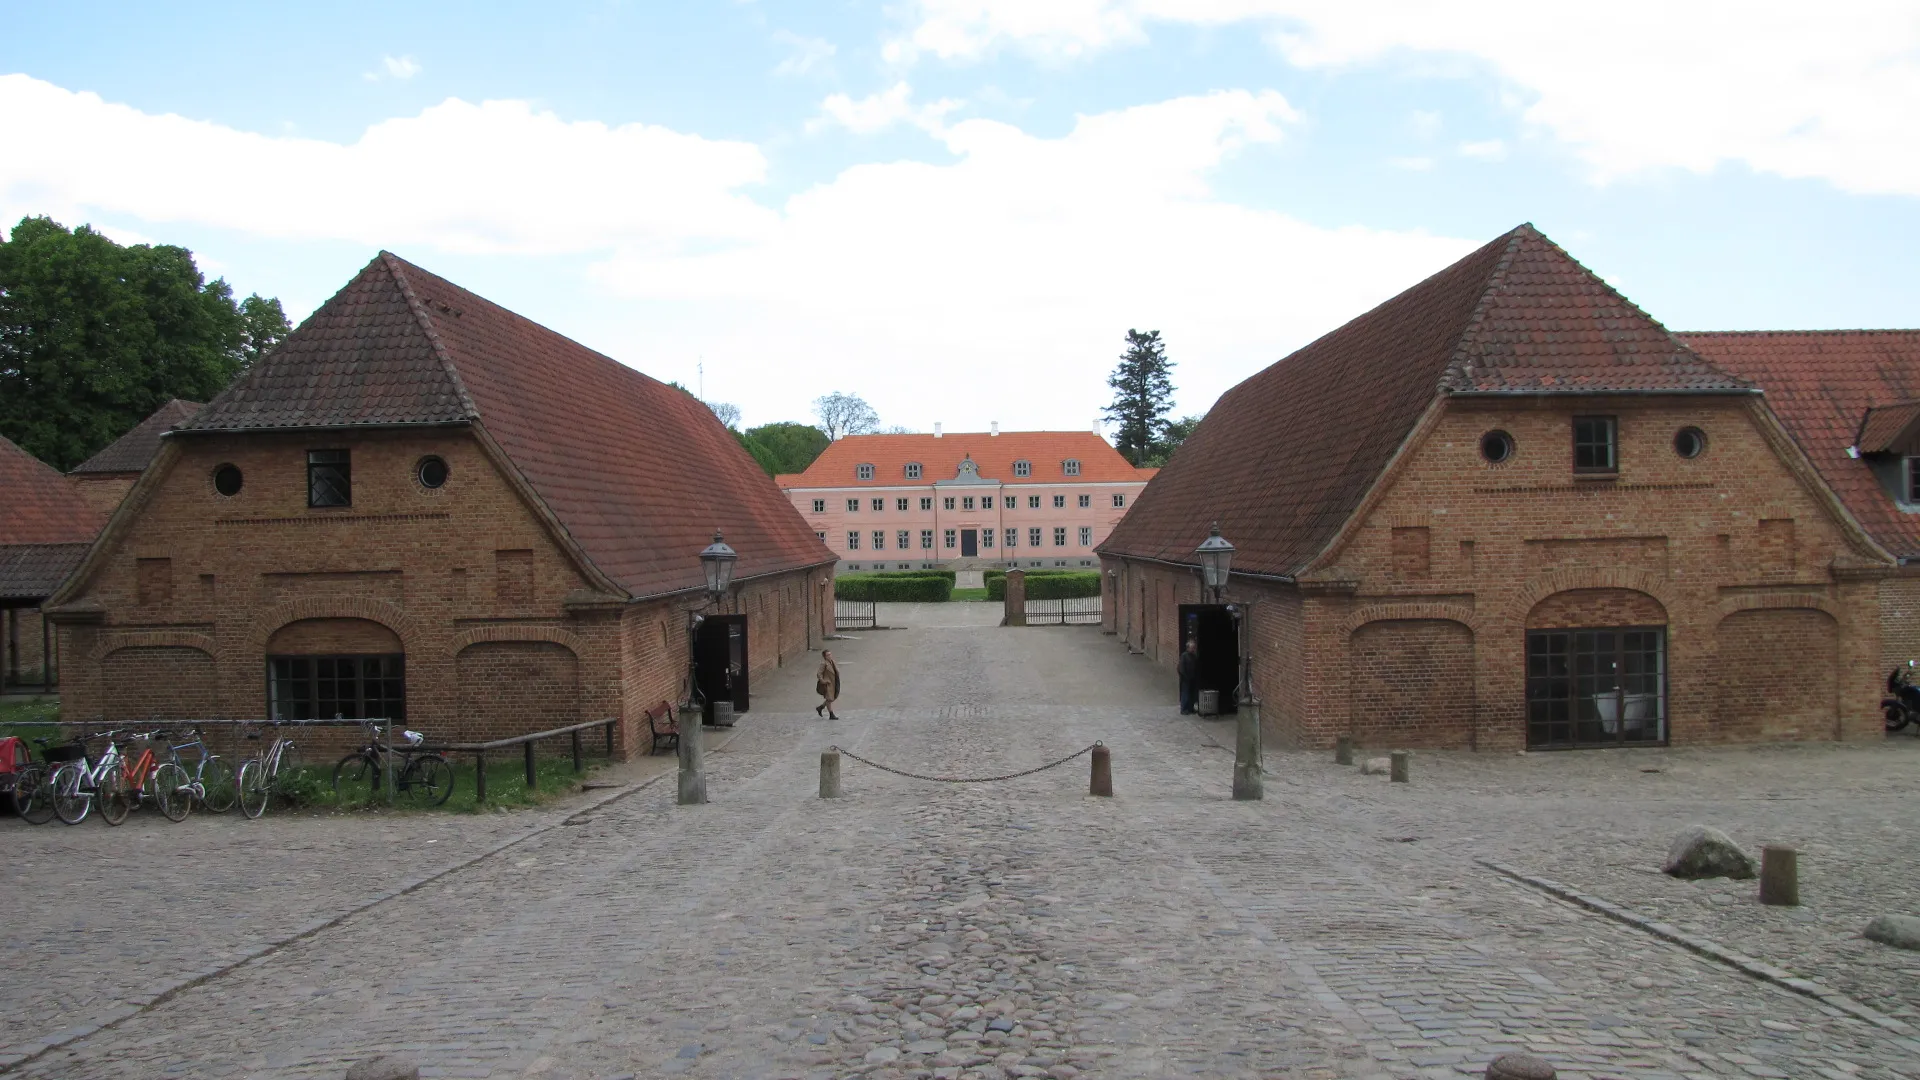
323 687
864 472
1595 445
913 472
329 478
1023 468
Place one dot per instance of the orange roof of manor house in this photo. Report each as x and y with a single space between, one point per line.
637 474
1285 457
939 458
45 525
1834 390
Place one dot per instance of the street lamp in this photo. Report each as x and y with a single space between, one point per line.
717 560
1216 558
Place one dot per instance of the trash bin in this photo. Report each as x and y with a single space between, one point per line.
723 714
1209 703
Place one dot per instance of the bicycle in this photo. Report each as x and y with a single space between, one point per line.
32 790
263 774
78 779
422 778
212 780
144 779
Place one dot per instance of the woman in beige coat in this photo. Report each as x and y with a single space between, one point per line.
827 683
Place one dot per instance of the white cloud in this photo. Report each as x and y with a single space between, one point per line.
877 112
394 67
1828 91
496 176
1484 150
996 285
1425 124
808 54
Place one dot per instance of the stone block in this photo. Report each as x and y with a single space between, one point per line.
1378 766
1899 931
384 1067
1704 852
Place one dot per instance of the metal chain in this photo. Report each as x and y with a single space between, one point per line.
966 779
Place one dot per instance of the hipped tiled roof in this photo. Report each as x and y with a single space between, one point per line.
1823 384
939 459
45 525
33 571
1284 458
638 473
134 451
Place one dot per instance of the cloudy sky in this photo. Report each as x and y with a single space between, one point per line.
956 208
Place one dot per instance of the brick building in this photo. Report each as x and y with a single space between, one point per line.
45 527
106 477
1507 509
1036 498
422 505
1851 400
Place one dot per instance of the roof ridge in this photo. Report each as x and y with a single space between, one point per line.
395 266
1796 333
1459 360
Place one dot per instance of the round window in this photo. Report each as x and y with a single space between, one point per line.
1689 442
432 472
1496 446
227 480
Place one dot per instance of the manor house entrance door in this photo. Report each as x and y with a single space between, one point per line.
969 543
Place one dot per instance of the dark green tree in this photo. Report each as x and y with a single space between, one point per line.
263 326
94 336
1142 395
1177 432
789 447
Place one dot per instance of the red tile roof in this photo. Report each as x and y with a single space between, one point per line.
1284 458
939 458
133 452
638 473
1822 385
45 526
1887 427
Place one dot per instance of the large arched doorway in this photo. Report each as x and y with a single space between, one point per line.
326 668
1412 683
1596 670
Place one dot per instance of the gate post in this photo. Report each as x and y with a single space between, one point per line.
693 780
1015 598
1247 767
829 774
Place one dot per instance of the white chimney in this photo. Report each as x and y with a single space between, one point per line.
1096 427
936 430
994 429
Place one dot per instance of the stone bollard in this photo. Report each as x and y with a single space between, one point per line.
1519 1067
384 1067
693 763
1398 768
1247 766
829 774
1102 781
1779 875
1343 750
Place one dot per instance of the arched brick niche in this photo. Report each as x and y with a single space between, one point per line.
1576 608
1411 683
320 637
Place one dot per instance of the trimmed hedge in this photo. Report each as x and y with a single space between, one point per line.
1048 584
894 588
950 575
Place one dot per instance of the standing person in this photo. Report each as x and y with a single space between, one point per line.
1189 669
827 683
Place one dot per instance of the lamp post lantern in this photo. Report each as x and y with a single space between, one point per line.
717 560
1216 560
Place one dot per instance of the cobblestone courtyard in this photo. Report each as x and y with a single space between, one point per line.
1344 927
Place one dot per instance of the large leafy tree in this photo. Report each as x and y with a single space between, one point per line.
1177 432
94 336
788 447
845 414
1142 395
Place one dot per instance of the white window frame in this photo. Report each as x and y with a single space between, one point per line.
1071 466
913 470
853 506
926 503
1033 502
953 538
1119 499
1013 538
879 505
864 470
853 539
1059 536
900 505
986 537
1059 502
1086 536
1023 468
1035 536
904 538
948 503
819 506
926 539
879 539
1086 501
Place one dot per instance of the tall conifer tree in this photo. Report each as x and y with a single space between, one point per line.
1142 395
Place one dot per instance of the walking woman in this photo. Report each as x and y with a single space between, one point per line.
827 683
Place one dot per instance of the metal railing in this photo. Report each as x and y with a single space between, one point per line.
1079 611
855 614
480 750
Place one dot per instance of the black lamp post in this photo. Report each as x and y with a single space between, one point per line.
1216 560
717 560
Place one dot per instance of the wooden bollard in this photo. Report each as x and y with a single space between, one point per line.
1397 767
1779 875
1343 750
1102 782
829 774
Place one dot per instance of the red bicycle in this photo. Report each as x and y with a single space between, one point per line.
140 779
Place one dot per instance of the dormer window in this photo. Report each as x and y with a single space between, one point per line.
865 472
913 470
1072 466
1023 468
1913 481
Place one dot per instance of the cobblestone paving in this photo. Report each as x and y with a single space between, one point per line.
1338 929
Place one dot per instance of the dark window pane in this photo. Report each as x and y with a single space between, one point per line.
1593 444
329 478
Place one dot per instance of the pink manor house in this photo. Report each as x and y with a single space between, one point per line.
966 500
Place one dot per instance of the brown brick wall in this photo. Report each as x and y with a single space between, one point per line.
167 682
1685 544
20 637
1408 686
511 687
459 576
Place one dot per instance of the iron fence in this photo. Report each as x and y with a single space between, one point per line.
855 614
1083 610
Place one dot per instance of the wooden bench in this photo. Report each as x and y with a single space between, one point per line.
666 732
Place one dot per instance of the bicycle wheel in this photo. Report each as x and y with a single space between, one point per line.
356 777
70 799
292 775
253 788
426 781
33 795
173 790
115 799
222 789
